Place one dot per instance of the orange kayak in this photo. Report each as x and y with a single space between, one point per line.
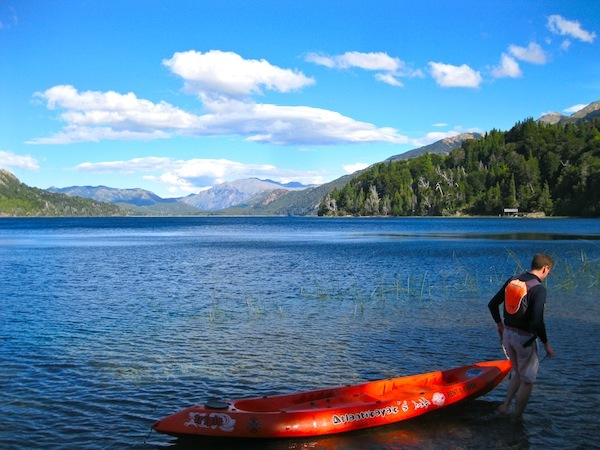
338 409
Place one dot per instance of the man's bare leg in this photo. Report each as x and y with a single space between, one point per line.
522 398
513 388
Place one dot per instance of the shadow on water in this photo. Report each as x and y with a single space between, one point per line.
475 424
517 236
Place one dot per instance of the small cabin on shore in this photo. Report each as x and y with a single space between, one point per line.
512 212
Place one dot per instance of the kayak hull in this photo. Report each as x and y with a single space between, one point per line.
336 410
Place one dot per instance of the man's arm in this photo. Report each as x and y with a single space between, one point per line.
537 305
537 319
493 306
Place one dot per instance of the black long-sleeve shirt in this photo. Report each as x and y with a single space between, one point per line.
533 319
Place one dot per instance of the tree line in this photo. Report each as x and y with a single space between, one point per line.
534 167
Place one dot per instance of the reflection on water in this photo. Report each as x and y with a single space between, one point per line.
454 427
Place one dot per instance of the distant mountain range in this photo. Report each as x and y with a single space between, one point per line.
588 113
251 196
248 196
220 197
226 195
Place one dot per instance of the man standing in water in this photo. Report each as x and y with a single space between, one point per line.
524 299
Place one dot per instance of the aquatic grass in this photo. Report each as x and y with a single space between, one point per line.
520 268
573 270
215 312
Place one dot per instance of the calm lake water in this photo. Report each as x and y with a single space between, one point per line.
107 325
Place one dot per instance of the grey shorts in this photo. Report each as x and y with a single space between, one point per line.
524 360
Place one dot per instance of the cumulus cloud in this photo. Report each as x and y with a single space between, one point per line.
559 25
351 168
14 161
194 175
533 53
389 69
216 74
508 68
95 116
447 75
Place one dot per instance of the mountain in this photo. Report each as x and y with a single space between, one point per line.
283 202
230 194
18 199
586 114
137 197
136 201
442 147
266 197
534 168
306 202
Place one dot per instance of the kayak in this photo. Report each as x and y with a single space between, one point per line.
338 409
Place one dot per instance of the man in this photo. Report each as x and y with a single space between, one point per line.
523 323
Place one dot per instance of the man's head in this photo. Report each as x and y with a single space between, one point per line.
542 264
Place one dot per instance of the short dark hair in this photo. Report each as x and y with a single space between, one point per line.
540 260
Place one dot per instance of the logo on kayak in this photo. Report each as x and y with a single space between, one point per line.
462 390
364 415
474 372
212 420
421 403
253 425
438 399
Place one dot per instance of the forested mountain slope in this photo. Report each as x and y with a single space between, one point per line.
18 199
536 166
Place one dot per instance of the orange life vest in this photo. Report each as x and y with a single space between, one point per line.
515 296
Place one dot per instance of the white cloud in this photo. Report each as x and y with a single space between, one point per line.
175 184
573 109
447 75
533 53
389 69
194 175
351 168
388 78
367 61
94 116
14 161
441 124
559 25
216 74
146 164
565 45
508 68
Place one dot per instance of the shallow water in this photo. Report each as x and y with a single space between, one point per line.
107 325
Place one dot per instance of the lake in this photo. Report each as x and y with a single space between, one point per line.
109 324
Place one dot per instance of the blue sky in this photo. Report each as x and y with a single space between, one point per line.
176 96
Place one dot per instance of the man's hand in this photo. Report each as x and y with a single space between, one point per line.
549 350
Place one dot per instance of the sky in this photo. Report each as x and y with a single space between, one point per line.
177 96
